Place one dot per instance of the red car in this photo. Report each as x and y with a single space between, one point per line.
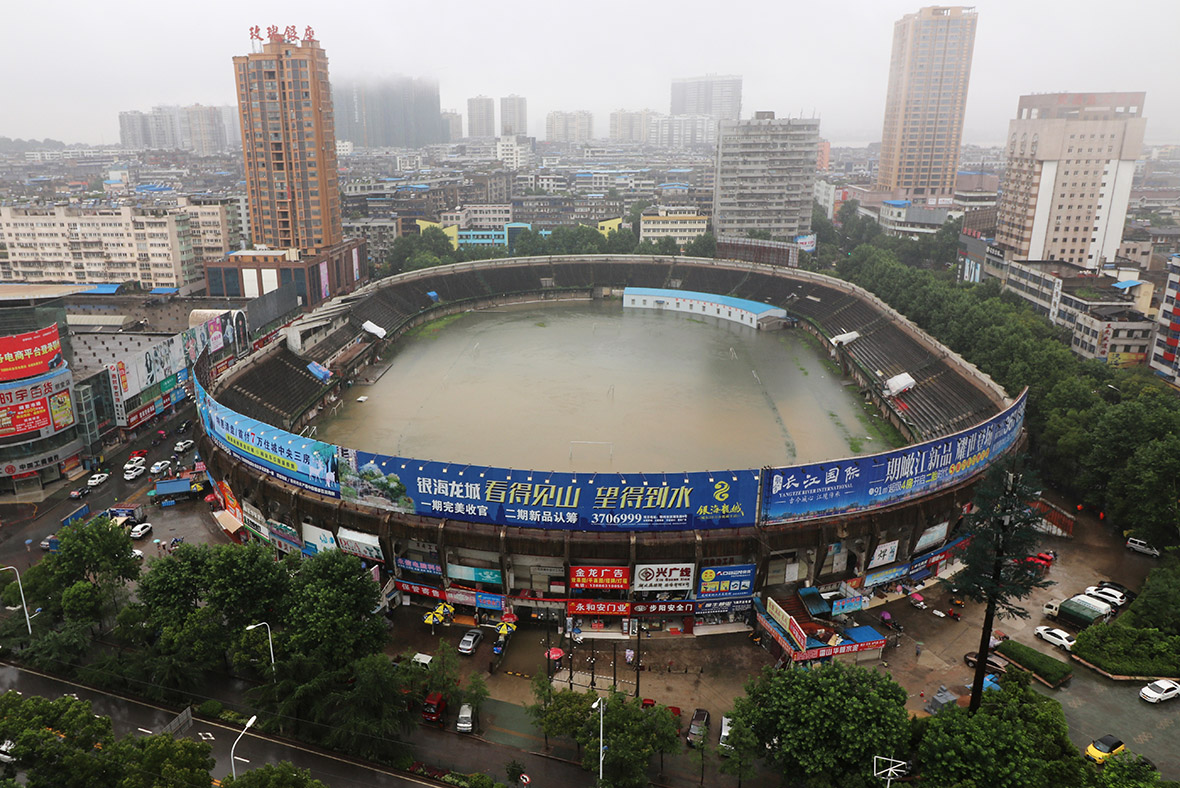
139 453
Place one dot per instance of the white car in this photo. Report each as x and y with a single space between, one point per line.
133 473
1159 691
723 744
135 462
161 466
182 446
141 530
97 479
1107 595
137 555
1058 637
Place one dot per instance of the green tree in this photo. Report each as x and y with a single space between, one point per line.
702 246
82 602
367 715
995 567
331 610
668 245
530 243
543 692
161 761
665 733
825 724
741 759
621 241
628 737
282 775
60 650
702 755
475 692
243 583
443 675
57 743
177 583
514 769
1128 770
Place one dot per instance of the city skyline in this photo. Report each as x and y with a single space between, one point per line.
1021 49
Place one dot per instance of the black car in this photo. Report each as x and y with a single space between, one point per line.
81 492
698 729
1122 589
185 426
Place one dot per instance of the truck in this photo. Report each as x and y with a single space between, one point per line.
1081 611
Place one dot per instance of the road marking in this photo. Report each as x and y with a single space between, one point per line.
205 736
145 731
240 758
514 733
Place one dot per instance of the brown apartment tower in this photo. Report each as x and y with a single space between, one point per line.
928 75
289 147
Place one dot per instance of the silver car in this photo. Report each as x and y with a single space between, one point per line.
470 641
466 721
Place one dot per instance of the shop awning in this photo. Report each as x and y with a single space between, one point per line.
921 574
227 521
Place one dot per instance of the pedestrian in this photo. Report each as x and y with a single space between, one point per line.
917 649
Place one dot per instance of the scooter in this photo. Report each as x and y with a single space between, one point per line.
955 614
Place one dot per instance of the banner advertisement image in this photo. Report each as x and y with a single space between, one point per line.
418 588
324 289
931 536
24 417
474 574
663 577
33 353
356 265
423 567
856 484
617 577
806 242
61 411
303 462
543 499
360 544
886 553
719 581
317 540
577 607
39 404
158 362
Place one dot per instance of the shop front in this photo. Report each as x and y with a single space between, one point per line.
661 597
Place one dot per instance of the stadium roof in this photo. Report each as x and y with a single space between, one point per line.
23 292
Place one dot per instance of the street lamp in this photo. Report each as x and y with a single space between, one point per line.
23 606
598 704
269 642
232 766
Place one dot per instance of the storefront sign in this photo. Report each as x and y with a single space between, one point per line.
594 608
787 622
489 601
832 651
361 544
317 540
474 574
413 565
723 605
856 484
600 577
849 604
676 607
34 353
931 536
284 537
664 577
886 553
718 581
418 588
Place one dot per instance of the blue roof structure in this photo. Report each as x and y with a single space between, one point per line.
861 634
1128 283
757 307
103 289
897 203
165 290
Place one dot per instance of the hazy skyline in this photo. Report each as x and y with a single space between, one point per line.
70 72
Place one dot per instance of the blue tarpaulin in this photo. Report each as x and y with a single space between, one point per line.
164 290
322 373
173 486
104 289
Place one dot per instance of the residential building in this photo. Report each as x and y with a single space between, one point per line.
1163 355
478 217
71 244
903 219
379 232
682 131
195 128
452 125
237 215
823 159
1071 161
719 97
680 223
576 126
929 71
209 226
203 130
516 152
765 176
481 117
391 112
831 196
514 116
631 126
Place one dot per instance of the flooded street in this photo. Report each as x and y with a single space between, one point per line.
588 386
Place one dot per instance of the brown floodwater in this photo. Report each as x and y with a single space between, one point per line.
589 386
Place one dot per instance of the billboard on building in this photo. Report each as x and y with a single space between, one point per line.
663 577
721 581
159 362
40 405
843 486
302 462
29 354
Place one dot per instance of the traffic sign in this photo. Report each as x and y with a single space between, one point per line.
524 779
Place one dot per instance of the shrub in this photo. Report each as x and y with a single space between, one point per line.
1129 651
480 780
210 708
1051 669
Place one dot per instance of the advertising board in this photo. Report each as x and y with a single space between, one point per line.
614 577
843 486
594 607
663 577
721 581
38 405
317 540
31 353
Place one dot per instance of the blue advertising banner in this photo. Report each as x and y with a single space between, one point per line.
303 462
736 603
540 499
473 573
719 581
841 486
413 565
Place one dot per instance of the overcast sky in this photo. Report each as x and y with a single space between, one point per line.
70 67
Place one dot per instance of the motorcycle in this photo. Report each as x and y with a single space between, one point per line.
955 614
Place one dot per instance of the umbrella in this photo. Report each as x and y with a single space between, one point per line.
555 653
917 597
509 618
885 616
155 541
503 628
433 617
210 498
444 608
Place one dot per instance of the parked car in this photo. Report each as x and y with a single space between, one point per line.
1159 691
161 466
137 554
81 492
470 641
433 708
139 453
132 473
182 446
1057 637
46 540
141 530
1122 589
6 752
1140 546
1107 595
698 729
723 743
466 721
135 462
1101 749
995 663
97 479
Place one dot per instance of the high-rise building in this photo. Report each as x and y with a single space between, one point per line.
576 126
682 131
514 116
289 145
195 128
452 125
928 75
134 132
204 130
516 152
765 176
1071 159
719 97
481 117
394 112
631 126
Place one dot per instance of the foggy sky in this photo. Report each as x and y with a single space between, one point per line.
70 67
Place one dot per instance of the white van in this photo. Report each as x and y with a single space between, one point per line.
1140 546
723 744
421 661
